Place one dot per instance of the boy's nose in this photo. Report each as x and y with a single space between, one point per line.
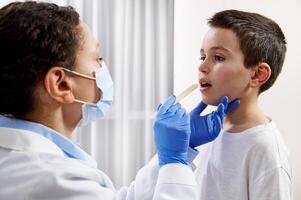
204 68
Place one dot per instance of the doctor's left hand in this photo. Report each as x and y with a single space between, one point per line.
172 133
206 128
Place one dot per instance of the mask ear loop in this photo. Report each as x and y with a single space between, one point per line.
83 102
79 74
84 76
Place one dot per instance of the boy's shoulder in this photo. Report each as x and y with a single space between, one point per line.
264 141
268 152
261 146
266 149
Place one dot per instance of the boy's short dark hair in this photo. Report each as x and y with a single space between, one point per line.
261 39
33 38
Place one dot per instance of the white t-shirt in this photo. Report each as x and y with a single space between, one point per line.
251 165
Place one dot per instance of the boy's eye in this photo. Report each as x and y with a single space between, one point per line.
202 58
218 58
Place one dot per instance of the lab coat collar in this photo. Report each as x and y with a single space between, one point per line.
25 136
22 140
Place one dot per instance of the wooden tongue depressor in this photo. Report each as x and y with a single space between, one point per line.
186 92
182 95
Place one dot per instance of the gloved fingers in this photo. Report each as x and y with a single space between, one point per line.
218 118
224 101
158 107
221 110
181 112
173 109
217 124
167 104
197 110
232 105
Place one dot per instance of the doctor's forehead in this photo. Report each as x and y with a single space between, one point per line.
88 41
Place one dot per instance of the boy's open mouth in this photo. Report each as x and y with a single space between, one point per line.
204 84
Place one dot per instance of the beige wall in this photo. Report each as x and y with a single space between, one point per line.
282 101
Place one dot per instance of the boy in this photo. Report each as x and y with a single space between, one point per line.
242 55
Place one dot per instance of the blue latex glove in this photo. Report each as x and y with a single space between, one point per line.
172 132
206 128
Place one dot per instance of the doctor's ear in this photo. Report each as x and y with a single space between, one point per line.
59 85
260 74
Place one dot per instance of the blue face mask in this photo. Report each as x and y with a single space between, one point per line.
93 111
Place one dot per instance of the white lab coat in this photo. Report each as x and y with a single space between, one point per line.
33 168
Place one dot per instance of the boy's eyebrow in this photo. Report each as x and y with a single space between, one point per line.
220 48
217 48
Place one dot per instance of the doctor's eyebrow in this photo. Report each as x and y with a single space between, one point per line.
97 46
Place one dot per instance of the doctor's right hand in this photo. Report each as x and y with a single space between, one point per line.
172 133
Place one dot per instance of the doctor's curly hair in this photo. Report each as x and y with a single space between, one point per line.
34 36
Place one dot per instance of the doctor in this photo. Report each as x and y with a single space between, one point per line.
51 81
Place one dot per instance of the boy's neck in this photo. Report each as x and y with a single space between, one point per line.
246 115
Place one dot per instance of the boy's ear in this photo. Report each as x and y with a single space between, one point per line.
58 85
260 74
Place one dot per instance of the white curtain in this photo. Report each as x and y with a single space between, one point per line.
136 38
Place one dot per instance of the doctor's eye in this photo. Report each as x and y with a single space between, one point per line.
219 58
100 60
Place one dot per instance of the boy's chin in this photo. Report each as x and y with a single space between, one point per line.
210 101
213 101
